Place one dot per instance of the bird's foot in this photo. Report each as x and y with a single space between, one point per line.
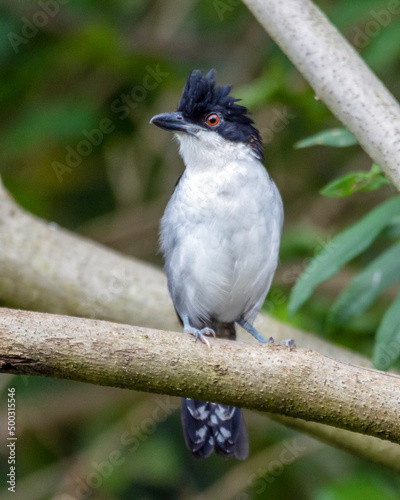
290 343
250 328
200 334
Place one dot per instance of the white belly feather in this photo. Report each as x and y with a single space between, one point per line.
220 236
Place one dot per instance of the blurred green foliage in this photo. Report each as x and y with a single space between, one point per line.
76 96
369 283
356 181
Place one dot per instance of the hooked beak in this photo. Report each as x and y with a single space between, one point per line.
174 122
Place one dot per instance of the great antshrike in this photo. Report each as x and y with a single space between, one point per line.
220 236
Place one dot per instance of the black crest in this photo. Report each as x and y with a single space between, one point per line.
201 97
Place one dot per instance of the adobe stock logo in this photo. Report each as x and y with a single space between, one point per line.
30 27
279 119
83 487
223 6
121 108
372 28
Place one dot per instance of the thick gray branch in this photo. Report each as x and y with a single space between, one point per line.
301 383
47 268
338 75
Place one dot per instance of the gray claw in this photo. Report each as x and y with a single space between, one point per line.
290 343
207 331
200 334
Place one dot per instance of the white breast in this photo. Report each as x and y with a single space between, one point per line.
220 236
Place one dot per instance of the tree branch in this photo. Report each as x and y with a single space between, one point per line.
301 383
338 75
47 268
379 451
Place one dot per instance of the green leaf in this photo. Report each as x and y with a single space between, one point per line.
367 285
341 249
354 182
387 341
337 137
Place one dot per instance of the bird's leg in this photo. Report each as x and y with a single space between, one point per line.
250 328
257 335
290 343
198 334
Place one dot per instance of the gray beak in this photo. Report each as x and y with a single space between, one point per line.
174 122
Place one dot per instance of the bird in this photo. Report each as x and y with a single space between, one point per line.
220 237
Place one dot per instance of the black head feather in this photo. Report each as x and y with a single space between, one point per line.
201 97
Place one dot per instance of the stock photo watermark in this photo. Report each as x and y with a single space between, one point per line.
381 19
388 353
266 474
322 251
223 6
11 440
122 106
130 441
277 297
120 280
278 121
47 10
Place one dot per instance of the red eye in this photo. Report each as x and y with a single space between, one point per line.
212 119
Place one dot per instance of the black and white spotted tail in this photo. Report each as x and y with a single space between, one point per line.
209 427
